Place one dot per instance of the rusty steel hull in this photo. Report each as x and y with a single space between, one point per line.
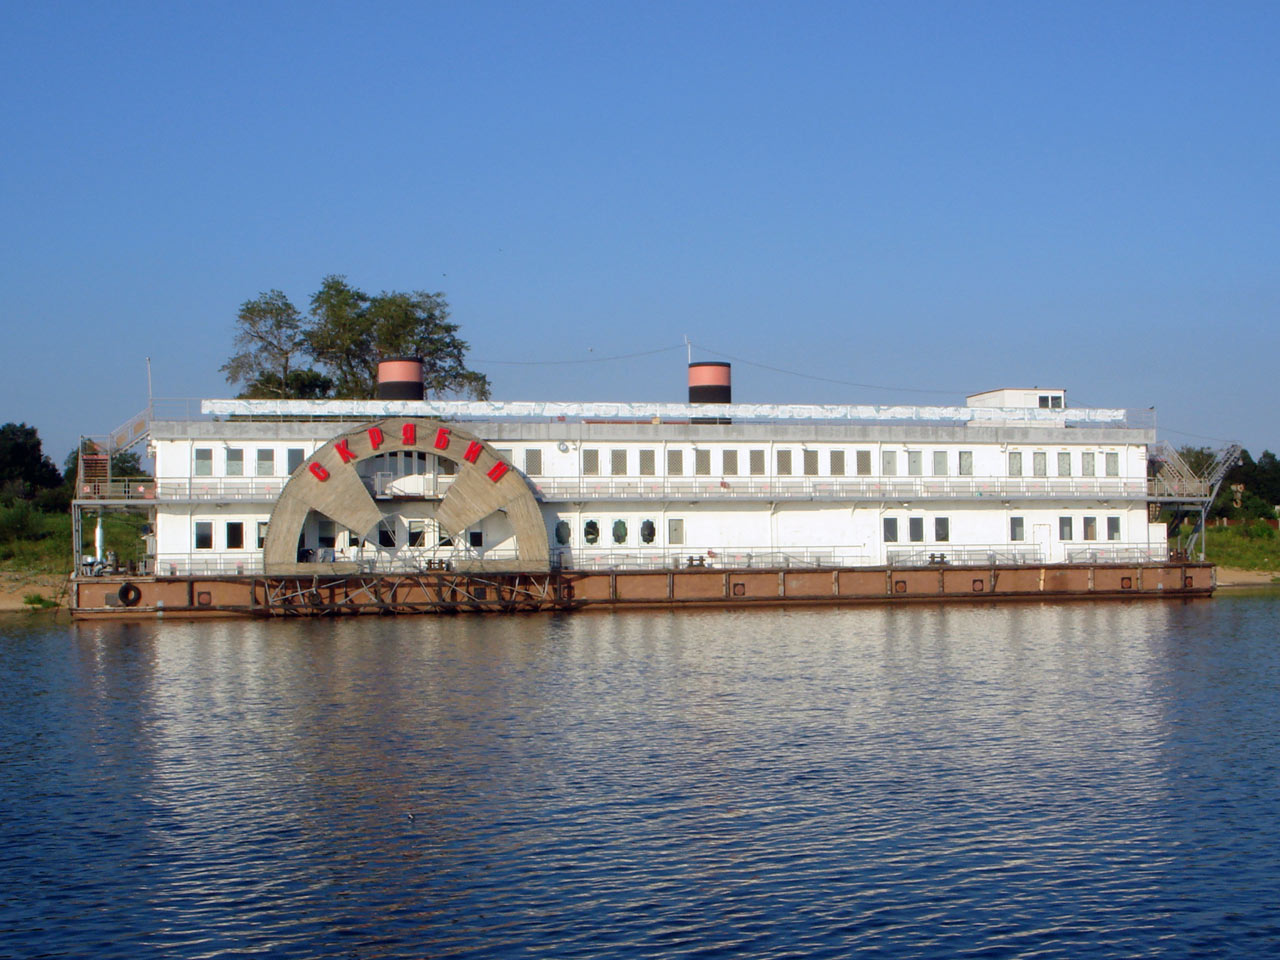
140 598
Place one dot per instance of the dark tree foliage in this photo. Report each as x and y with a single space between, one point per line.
24 469
347 333
269 340
1261 494
352 331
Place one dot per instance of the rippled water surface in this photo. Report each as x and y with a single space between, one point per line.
1078 780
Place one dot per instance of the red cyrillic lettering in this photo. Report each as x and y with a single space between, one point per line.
497 470
375 437
442 438
409 434
319 472
473 452
344 451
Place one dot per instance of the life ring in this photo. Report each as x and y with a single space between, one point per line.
129 594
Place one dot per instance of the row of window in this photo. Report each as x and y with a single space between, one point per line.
420 534
731 463
941 463
264 461
1088 464
619 532
1017 529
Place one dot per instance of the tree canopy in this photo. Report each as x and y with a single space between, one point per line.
24 469
346 333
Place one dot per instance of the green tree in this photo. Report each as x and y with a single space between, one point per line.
270 339
24 469
352 331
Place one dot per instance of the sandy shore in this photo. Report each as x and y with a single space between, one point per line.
1230 577
15 586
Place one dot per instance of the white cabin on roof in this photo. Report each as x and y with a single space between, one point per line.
1039 398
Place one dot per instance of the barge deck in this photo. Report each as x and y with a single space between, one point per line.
221 595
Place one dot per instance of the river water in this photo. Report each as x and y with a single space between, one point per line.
1070 780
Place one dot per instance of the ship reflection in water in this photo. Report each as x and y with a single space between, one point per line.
1074 780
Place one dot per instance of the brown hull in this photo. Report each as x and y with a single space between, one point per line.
443 592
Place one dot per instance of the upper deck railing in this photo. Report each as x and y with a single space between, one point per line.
621 489
641 412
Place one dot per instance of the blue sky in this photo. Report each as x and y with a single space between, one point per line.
920 200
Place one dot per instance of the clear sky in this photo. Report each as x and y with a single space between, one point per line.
920 200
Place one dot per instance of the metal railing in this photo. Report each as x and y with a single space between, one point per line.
383 485
993 554
677 558
141 488
1101 554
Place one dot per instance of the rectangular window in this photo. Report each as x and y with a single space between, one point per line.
262 534
235 463
888 463
618 463
295 457
648 463
1064 464
729 463
1055 403
1015 464
966 463
702 463
1113 464
837 463
755 463
1017 531
890 529
675 463
591 463
533 463
1064 528
328 534
447 467
784 463
504 454
204 462
204 533
417 533
1044 403
1087 465
863 460
915 463
1040 464
387 534
941 529
811 463
235 535
939 463
1113 528
915 529
1090 528
266 463
476 539
675 532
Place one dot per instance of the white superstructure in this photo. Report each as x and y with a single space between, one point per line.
1026 479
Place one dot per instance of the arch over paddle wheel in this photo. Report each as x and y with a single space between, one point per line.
329 484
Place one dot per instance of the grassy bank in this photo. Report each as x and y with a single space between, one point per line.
34 542
1252 547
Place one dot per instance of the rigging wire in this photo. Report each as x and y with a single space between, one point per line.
552 363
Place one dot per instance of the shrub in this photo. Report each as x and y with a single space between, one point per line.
19 522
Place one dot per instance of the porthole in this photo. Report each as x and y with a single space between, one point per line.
648 531
619 531
591 531
562 532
